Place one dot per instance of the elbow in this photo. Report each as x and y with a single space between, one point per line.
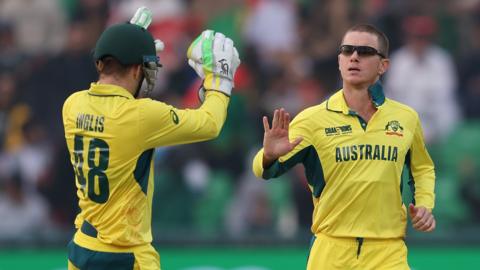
213 132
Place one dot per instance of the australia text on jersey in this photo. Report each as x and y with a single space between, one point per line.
366 152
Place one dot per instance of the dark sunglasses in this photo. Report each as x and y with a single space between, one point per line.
361 50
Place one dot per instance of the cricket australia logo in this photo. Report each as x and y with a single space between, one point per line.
394 128
224 66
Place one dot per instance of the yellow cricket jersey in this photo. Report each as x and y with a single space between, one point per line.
111 138
354 169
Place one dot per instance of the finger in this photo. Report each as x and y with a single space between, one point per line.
432 227
266 126
423 220
286 122
236 56
218 42
207 34
411 210
296 142
191 63
228 46
427 224
206 50
420 212
281 117
275 119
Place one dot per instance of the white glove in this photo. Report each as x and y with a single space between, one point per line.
215 60
143 18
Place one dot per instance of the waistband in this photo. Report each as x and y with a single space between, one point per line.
354 241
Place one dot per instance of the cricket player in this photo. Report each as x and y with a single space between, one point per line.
111 133
354 147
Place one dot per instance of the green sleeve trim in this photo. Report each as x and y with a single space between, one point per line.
313 168
408 176
142 169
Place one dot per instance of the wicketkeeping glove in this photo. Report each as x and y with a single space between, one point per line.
215 60
143 18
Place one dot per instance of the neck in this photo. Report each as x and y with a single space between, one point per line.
119 82
359 100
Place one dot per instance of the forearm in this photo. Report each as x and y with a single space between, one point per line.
213 112
425 189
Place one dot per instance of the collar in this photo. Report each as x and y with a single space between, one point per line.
337 103
108 90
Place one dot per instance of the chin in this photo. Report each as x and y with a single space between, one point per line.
358 81
355 81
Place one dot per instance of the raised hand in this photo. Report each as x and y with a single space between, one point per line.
422 219
275 139
215 59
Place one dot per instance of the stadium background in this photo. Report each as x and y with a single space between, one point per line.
209 211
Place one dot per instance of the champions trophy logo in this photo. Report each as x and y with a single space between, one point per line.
224 66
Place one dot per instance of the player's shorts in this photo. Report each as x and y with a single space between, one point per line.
86 252
357 254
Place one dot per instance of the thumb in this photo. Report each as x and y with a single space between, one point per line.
297 141
412 209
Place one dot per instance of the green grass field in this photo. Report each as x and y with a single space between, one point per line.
420 258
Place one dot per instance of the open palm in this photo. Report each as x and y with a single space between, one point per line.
275 139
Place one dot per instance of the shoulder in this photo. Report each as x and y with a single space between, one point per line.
74 98
310 111
402 108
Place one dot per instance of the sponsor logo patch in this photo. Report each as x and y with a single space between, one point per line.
340 130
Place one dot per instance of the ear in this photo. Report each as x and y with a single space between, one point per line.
338 61
137 72
384 64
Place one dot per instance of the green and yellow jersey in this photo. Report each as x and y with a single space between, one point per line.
354 169
111 138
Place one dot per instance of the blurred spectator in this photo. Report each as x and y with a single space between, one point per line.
94 14
469 172
13 114
322 27
23 217
423 76
39 25
52 82
34 157
470 74
274 48
11 57
258 209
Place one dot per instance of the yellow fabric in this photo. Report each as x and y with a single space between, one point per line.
71 266
115 129
341 253
361 168
146 258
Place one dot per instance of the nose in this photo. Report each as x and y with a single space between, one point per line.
354 57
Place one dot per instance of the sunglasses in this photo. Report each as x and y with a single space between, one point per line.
348 50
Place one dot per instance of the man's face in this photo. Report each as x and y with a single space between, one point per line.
361 70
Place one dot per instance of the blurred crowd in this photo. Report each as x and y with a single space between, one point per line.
289 53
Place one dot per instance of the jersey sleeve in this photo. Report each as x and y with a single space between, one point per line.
422 170
298 128
162 124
